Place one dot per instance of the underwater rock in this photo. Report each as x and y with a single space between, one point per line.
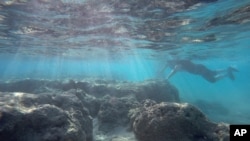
70 104
29 117
175 122
114 112
158 90
63 111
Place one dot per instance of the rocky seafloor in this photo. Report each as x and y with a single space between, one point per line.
101 110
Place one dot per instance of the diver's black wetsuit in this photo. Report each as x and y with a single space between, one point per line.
197 69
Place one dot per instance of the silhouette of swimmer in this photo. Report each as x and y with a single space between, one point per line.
199 69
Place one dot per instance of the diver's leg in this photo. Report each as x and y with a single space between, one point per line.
206 73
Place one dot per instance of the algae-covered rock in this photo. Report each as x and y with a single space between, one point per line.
30 117
175 122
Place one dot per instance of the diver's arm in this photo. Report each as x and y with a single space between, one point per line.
173 71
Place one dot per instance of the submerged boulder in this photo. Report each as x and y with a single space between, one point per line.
175 122
29 117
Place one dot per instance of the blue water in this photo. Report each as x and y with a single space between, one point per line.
82 39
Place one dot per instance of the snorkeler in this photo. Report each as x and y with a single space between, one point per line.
199 69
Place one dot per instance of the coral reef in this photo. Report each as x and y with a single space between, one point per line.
100 110
175 122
